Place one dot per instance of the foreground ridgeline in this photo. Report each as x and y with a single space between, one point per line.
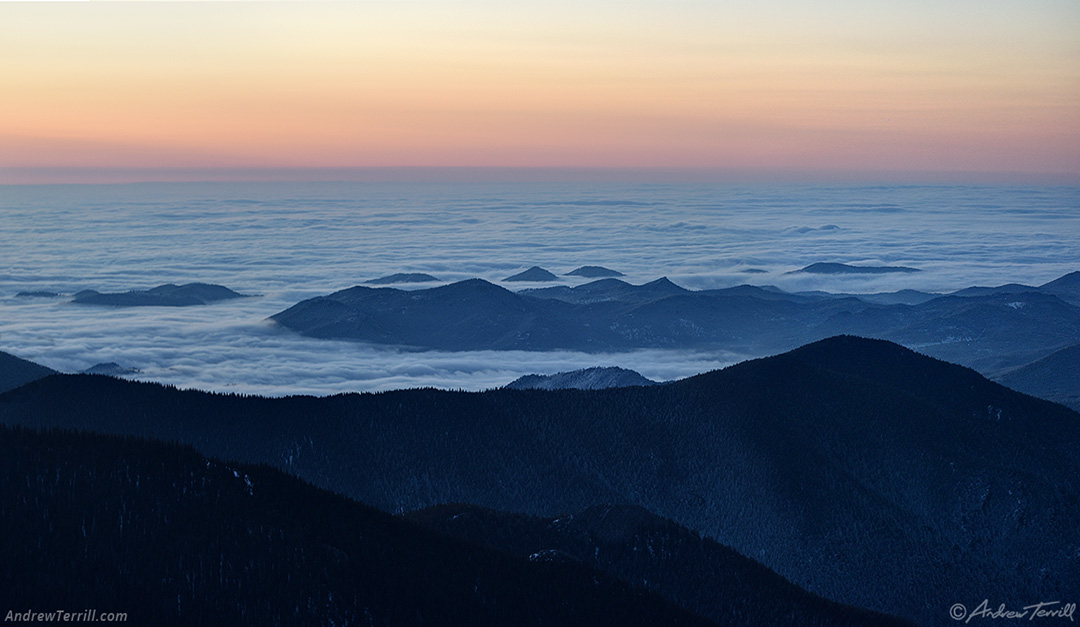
168 537
636 546
15 372
857 469
990 329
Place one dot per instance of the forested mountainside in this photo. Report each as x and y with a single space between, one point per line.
859 470
169 537
637 546
15 372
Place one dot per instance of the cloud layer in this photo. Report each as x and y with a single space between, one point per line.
287 242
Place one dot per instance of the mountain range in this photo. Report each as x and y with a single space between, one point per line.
991 329
857 469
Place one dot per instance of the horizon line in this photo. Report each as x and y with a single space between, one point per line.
19 176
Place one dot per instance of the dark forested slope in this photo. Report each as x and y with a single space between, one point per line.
857 469
170 537
637 546
15 372
1055 377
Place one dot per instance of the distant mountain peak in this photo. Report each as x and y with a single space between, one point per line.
535 273
594 272
664 284
403 277
478 286
843 268
110 368
597 378
841 347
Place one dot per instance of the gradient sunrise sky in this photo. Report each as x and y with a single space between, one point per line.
914 88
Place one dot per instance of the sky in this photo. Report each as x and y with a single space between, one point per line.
116 91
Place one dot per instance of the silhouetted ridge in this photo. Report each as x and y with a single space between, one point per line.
863 356
991 331
635 545
459 316
173 538
15 372
859 470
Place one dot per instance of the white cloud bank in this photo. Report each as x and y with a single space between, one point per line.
287 242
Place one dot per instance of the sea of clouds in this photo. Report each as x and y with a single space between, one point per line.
285 242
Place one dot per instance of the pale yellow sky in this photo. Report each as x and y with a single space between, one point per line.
848 86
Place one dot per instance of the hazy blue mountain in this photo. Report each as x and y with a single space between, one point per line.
1008 288
900 297
843 268
584 379
15 372
594 272
467 315
634 545
990 333
535 273
767 292
1055 377
170 537
857 469
1066 287
605 290
167 295
989 330
403 277
37 294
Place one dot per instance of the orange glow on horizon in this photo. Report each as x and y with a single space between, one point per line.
429 84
